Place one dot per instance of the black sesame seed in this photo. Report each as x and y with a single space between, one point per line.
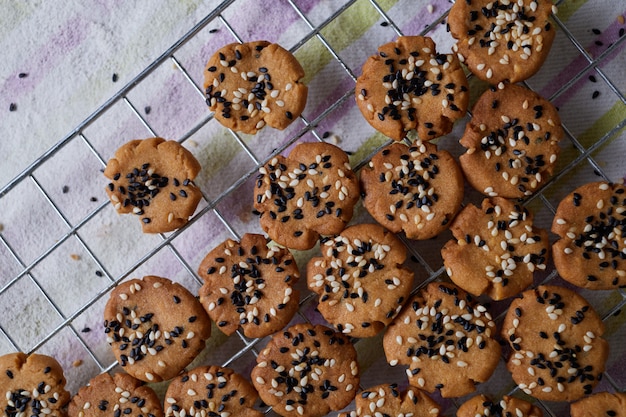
115 77
12 107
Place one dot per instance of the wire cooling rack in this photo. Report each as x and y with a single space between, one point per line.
61 282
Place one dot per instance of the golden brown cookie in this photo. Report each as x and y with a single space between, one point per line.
496 249
445 338
116 395
416 190
409 86
502 40
360 280
482 406
155 327
558 353
252 84
32 385
210 391
153 179
249 286
388 400
591 224
601 404
307 370
311 192
512 142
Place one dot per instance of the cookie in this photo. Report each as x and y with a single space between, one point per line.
602 404
252 84
153 179
502 41
557 349
496 249
210 391
482 406
311 192
249 286
360 280
591 225
388 400
416 190
307 370
116 395
155 327
32 385
445 338
512 142
409 86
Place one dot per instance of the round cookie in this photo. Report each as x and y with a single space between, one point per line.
416 190
249 286
408 86
388 400
120 394
311 192
445 338
360 280
210 391
153 179
252 84
502 40
496 249
558 353
482 406
155 327
601 404
512 142
591 224
32 385
307 370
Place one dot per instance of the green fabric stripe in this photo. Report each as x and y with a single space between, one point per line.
568 8
603 125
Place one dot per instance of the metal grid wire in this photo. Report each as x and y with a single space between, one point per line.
585 155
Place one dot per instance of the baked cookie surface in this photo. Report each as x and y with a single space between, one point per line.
512 142
482 406
501 40
360 280
591 225
249 285
389 400
496 249
155 327
254 84
558 353
153 179
32 385
309 193
307 370
445 338
408 86
416 190
600 404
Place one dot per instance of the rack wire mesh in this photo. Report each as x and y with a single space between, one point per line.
82 232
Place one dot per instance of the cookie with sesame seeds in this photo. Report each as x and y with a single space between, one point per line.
211 391
389 400
309 193
32 385
253 84
591 225
360 280
482 406
446 339
153 179
249 285
415 189
496 249
307 370
409 86
557 350
155 327
603 404
512 142
117 395
502 40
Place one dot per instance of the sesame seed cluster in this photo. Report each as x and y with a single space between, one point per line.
389 400
482 406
